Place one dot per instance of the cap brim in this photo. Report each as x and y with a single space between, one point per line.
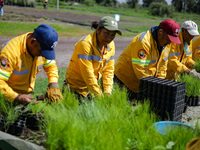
113 29
119 32
193 32
174 39
48 54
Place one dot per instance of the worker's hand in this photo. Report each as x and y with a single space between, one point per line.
24 99
53 93
194 73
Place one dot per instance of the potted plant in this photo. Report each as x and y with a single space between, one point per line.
192 89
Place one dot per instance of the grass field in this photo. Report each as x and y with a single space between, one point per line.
134 20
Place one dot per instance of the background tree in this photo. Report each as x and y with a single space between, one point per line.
189 5
89 2
197 7
132 3
108 3
146 3
185 5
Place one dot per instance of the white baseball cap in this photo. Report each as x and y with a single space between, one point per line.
191 27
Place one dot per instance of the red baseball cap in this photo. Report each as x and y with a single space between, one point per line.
172 29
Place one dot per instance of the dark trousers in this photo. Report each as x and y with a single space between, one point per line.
78 96
131 95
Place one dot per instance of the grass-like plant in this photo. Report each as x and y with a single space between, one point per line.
109 122
192 85
197 65
9 112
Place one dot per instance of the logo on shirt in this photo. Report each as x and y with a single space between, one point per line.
4 63
142 53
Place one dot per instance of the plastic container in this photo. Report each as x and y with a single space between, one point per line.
33 122
185 108
163 126
1 123
193 101
197 101
16 128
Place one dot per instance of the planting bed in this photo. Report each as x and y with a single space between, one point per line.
28 131
36 137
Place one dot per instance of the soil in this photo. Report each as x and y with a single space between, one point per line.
65 49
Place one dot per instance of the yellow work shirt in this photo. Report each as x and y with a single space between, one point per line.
87 65
18 68
140 59
196 48
180 59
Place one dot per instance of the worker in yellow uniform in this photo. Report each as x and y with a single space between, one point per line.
180 56
22 58
92 59
196 49
146 55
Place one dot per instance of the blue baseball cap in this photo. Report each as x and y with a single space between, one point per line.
48 39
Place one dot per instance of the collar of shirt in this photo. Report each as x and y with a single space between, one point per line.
24 48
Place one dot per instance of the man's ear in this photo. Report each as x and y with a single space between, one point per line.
160 32
33 40
183 30
98 30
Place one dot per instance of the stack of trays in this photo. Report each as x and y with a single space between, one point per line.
167 97
16 128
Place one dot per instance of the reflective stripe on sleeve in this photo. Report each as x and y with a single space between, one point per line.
48 63
40 66
188 53
142 36
142 61
112 57
166 58
4 74
89 57
4 46
175 54
20 72
84 38
108 47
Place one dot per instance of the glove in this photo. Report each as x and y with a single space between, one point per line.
53 93
194 73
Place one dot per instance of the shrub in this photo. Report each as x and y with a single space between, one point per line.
162 10
89 2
